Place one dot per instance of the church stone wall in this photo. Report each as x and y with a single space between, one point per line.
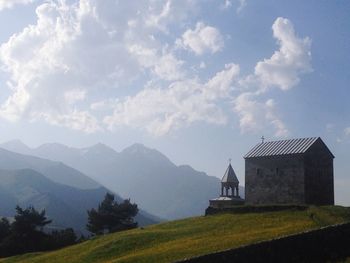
274 180
319 187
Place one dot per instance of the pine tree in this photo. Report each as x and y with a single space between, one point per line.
5 227
25 233
111 216
29 220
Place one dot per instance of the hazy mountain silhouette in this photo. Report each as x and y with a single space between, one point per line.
66 205
143 174
16 146
56 171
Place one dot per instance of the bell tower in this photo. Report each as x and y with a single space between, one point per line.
229 192
229 183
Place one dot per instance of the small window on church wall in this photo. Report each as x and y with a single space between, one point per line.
277 171
258 172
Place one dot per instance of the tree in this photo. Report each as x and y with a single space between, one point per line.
111 216
4 228
25 233
61 238
29 220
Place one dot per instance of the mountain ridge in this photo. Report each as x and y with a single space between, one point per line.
56 171
143 174
64 204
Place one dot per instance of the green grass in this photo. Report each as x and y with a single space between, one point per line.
190 237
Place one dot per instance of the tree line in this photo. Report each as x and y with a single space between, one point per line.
28 231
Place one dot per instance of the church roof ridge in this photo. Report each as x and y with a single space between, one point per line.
282 147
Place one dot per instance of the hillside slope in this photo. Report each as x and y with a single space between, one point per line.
190 237
66 205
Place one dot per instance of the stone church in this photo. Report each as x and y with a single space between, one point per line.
296 171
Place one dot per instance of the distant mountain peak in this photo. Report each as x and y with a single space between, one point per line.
99 148
16 146
139 150
15 142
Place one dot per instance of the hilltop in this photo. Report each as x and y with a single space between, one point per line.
176 240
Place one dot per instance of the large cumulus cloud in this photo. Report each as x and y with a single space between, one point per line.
93 65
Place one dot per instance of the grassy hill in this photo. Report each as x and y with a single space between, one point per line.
190 237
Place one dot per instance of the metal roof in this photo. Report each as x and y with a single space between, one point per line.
283 147
229 176
225 198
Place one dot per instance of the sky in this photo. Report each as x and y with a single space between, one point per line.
201 81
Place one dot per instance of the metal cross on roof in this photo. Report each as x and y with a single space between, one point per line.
262 139
229 160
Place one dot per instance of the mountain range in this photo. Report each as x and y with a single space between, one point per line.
55 171
64 192
145 175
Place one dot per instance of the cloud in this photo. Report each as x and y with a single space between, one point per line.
342 135
242 5
73 96
53 63
285 66
164 65
160 14
11 3
104 105
257 116
75 120
272 118
80 67
169 68
74 51
347 131
228 3
160 110
330 127
202 39
282 70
